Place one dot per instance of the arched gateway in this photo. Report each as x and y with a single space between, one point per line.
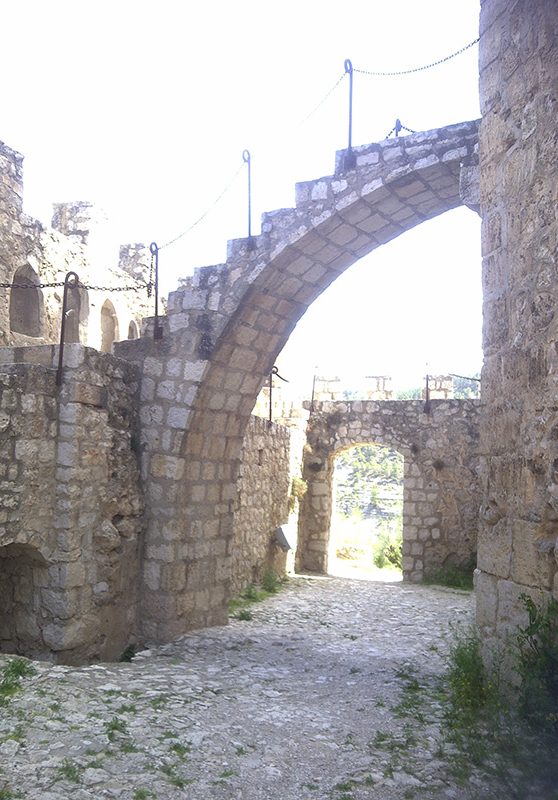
439 445
224 329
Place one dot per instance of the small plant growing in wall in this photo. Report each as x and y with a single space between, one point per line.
537 664
299 487
506 732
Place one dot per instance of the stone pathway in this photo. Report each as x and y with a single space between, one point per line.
312 699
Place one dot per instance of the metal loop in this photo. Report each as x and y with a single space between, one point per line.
153 248
72 279
246 157
348 66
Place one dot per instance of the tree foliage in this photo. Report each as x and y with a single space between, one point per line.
369 480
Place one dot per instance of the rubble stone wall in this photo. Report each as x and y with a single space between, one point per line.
70 504
441 493
262 503
518 538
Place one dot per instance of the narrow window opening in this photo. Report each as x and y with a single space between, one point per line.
133 332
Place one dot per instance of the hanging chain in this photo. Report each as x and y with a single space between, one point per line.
207 210
59 284
397 128
56 285
418 69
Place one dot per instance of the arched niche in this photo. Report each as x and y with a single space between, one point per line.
133 331
26 303
77 313
23 573
109 327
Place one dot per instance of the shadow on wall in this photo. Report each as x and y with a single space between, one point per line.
23 576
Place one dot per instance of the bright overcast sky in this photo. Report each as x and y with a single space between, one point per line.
145 109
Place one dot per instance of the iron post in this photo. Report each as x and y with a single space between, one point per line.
349 161
71 281
157 330
427 396
247 158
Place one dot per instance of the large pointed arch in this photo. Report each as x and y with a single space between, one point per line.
224 330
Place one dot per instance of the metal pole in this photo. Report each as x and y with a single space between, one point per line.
313 393
427 396
71 281
247 158
350 158
271 374
157 330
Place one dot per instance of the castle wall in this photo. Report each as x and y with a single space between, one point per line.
519 197
441 492
70 504
76 242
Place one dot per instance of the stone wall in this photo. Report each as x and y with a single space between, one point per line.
77 241
519 197
70 504
441 494
263 490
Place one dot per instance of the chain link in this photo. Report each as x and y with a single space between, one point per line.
60 284
322 101
206 212
417 69
31 285
135 288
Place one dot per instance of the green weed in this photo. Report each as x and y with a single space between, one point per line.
174 778
227 773
387 550
10 677
271 582
454 576
180 750
128 654
115 726
507 733
537 664
69 770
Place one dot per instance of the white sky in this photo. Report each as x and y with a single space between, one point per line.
145 108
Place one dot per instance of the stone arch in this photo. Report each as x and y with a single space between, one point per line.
229 322
26 304
109 326
317 505
133 330
77 313
23 574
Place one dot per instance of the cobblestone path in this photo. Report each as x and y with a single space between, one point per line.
310 699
